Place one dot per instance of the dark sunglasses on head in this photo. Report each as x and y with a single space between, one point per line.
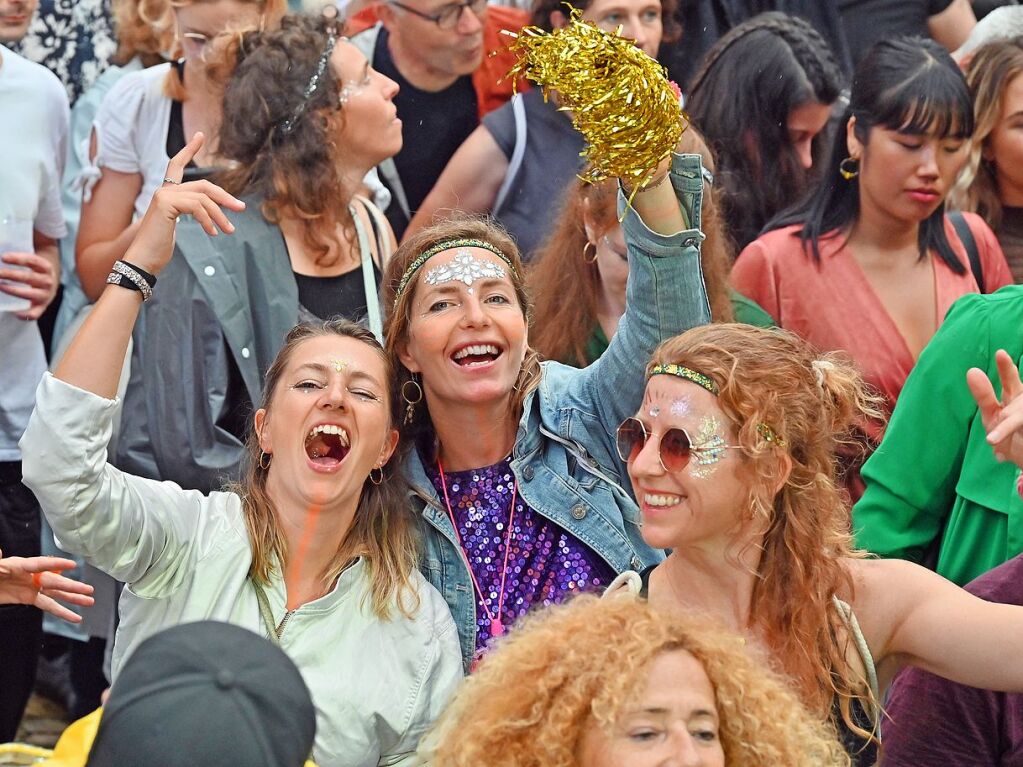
674 450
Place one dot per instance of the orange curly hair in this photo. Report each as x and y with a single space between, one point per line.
585 660
811 402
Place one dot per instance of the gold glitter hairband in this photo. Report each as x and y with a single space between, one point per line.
680 371
416 265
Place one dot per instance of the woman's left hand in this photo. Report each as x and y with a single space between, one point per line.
1003 419
37 581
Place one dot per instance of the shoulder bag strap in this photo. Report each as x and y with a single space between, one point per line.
962 228
369 282
519 110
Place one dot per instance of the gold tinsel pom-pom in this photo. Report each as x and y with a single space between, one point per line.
619 98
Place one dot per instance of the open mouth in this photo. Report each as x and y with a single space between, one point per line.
477 354
327 445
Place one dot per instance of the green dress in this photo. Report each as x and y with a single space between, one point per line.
746 310
934 479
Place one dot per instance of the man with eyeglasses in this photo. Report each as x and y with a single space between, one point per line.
438 51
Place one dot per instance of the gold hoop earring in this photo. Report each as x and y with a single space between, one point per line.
269 458
849 168
381 475
586 248
410 404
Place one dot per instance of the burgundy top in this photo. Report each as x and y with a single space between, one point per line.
546 564
936 723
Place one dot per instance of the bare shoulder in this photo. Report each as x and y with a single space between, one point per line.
884 579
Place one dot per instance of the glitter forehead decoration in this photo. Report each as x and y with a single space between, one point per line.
464 267
680 371
440 247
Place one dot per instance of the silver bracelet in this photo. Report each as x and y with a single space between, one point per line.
125 276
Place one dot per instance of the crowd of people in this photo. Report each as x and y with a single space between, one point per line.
342 422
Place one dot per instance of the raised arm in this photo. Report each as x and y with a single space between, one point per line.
913 616
665 294
93 361
470 181
126 526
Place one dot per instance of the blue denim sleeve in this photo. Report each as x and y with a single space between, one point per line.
665 296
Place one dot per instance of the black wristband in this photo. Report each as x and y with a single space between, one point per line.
149 278
127 275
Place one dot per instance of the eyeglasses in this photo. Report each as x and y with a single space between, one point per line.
447 16
674 450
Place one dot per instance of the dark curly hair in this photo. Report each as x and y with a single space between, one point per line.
297 172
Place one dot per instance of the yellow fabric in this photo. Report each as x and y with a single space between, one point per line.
72 750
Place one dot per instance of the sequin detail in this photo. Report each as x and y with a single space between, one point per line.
546 564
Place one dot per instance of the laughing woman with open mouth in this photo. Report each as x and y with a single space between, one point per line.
314 549
522 496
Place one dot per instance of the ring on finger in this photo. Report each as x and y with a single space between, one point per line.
37 581
171 181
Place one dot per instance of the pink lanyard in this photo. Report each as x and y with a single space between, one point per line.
496 625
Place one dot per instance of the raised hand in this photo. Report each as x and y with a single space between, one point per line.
203 200
1003 419
37 581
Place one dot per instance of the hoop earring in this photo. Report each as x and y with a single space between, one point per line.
269 458
376 481
849 168
586 248
410 403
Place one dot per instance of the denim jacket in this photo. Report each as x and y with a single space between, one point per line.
564 457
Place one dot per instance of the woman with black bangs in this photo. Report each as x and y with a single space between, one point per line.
869 263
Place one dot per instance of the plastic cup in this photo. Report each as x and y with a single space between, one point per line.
15 237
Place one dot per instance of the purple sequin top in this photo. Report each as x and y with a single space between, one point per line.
546 564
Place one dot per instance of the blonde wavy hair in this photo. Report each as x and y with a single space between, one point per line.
159 15
811 403
136 35
383 532
988 74
584 661
399 315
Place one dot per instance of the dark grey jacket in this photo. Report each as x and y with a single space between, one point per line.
219 315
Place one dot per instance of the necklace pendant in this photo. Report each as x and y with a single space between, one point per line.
496 627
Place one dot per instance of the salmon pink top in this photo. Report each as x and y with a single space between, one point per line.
834 307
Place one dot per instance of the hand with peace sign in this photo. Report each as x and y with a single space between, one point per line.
203 200
1003 419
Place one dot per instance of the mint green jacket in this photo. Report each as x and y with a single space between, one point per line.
934 477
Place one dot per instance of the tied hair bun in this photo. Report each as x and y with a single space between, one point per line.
821 369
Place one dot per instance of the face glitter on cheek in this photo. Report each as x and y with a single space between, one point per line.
709 448
465 268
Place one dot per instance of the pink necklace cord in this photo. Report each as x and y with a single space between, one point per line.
496 624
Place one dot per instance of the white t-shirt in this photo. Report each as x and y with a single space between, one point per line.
33 146
131 133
